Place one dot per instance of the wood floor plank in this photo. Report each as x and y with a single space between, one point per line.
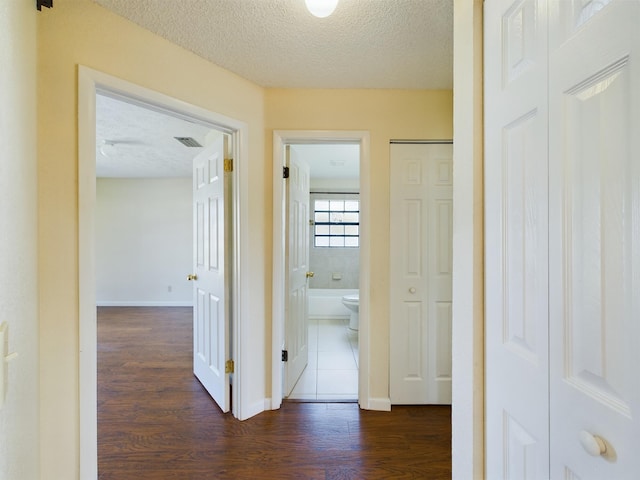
156 422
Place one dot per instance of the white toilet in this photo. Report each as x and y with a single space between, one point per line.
352 302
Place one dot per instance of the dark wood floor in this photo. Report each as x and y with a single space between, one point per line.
156 422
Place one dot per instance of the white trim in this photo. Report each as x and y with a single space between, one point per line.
257 407
242 274
381 404
91 82
143 303
280 138
88 364
467 415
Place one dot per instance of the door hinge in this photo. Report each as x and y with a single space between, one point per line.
229 366
285 356
228 165
44 3
285 172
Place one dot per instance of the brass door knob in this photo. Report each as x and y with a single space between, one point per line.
192 277
309 274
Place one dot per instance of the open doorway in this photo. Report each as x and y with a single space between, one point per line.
332 286
143 204
164 226
91 85
289 146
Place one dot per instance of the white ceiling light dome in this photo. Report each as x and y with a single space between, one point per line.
321 8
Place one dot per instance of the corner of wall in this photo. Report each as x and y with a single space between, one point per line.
468 274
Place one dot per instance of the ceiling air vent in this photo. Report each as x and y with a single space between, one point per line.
188 142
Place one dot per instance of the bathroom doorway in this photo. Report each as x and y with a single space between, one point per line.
332 283
336 240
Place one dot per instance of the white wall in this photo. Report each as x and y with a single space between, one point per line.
19 436
143 241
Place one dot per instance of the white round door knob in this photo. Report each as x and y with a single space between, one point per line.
412 290
593 444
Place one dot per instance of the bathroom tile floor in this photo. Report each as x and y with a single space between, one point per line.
332 371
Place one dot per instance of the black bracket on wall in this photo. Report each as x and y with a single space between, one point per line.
44 3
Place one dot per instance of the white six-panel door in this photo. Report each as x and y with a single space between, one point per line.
562 199
210 328
421 260
296 321
594 157
516 254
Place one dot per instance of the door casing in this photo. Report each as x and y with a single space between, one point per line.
280 139
91 82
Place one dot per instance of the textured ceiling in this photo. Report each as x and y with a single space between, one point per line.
276 43
132 141
135 142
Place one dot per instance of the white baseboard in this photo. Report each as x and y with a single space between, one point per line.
255 408
379 404
142 303
271 404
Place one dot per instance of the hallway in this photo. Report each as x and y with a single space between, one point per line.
155 421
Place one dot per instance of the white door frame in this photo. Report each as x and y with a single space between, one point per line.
91 82
467 418
280 139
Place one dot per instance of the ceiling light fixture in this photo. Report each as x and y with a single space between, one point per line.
108 149
321 8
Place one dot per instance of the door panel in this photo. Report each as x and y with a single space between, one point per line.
296 324
421 239
210 329
516 252
593 181
594 233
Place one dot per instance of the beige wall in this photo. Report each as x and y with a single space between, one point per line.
386 114
18 238
80 32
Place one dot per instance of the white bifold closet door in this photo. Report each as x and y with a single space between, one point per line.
516 252
562 244
594 226
420 282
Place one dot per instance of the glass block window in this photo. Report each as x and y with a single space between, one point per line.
336 223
